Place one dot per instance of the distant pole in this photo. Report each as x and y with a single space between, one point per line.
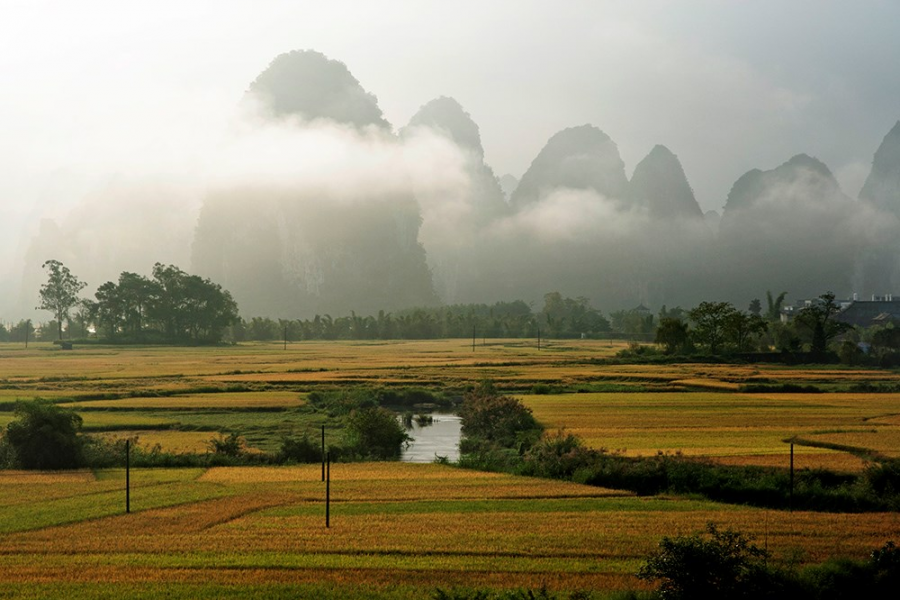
127 476
285 337
473 338
323 453
328 493
27 327
792 479
539 338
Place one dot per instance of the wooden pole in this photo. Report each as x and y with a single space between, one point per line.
539 338
127 476
328 494
323 453
285 337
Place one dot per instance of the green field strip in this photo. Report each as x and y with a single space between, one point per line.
63 511
569 505
24 491
415 561
151 590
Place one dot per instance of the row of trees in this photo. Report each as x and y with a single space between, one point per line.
172 306
719 326
22 331
175 307
561 317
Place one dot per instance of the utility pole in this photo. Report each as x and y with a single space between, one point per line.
328 493
127 476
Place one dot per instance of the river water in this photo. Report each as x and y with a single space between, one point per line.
441 438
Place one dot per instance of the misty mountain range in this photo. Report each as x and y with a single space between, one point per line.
318 206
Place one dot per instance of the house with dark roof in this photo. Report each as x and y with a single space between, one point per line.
866 313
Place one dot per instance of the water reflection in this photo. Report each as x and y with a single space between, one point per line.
441 438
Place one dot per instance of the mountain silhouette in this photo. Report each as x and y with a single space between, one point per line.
579 158
309 85
660 185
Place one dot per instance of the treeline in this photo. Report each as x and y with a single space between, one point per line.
171 307
814 333
560 317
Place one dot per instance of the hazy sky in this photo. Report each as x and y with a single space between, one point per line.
92 89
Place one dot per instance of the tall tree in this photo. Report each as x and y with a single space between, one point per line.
710 320
740 327
819 319
755 307
60 293
773 310
672 334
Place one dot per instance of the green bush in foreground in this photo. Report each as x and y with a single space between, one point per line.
726 564
43 436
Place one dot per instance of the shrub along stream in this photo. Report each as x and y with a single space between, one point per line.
500 434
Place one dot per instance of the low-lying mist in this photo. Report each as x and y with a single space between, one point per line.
310 202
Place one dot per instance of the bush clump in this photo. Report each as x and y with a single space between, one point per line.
302 449
374 433
43 436
496 429
720 564
727 564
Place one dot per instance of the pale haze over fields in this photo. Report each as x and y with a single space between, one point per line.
119 117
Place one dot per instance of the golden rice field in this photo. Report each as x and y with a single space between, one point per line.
400 530
694 409
226 400
734 428
172 440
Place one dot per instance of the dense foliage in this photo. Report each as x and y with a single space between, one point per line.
43 436
373 433
496 429
724 565
727 564
560 317
172 307
60 294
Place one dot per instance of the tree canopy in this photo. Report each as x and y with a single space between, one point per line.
43 436
172 307
60 293
710 320
819 319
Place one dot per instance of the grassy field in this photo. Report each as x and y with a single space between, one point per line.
398 529
255 389
729 427
402 530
